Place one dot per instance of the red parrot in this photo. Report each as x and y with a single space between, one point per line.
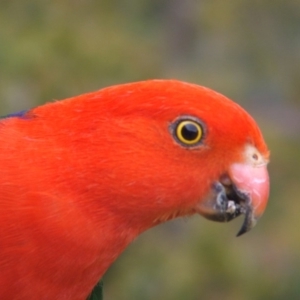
81 178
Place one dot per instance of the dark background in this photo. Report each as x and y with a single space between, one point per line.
247 50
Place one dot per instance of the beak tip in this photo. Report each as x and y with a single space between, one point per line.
250 221
242 231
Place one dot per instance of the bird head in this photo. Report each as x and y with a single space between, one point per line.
160 149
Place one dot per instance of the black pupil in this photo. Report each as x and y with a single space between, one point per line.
189 132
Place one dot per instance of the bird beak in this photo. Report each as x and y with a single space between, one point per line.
244 190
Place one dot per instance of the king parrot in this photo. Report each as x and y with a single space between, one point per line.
82 177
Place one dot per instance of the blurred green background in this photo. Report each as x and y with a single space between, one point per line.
247 50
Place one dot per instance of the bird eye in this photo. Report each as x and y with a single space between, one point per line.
189 132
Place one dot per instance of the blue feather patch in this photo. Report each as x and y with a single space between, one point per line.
21 114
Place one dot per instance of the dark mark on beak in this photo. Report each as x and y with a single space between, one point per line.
229 203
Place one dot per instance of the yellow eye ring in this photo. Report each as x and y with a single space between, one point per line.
189 132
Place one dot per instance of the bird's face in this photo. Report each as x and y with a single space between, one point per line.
176 149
